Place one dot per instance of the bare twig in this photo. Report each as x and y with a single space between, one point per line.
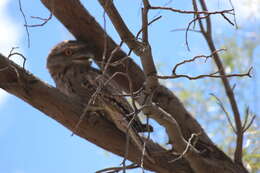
188 146
247 112
246 125
227 19
45 20
230 11
115 63
108 62
235 20
164 5
152 21
225 111
93 98
11 53
117 169
25 23
212 75
193 59
184 29
134 94
86 109
13 48
249 124
9 65
197 18
105 42
141 30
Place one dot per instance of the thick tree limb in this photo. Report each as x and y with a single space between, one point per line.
95 128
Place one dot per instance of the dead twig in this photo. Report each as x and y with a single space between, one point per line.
246 127
45 21
108 62
188 28
225 111
141 30
235 20
117 169
25 23
184 29
193 59
20 80
135 94
212 75
105 41
230 11
19 54
188 146
247 124
151 22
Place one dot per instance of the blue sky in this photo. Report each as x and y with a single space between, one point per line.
30 142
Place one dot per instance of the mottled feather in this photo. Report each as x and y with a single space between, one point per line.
70 66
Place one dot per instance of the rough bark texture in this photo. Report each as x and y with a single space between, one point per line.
96 129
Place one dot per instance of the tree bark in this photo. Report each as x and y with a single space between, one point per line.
94 128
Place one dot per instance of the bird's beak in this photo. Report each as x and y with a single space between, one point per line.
82 58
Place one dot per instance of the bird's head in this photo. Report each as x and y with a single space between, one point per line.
67 53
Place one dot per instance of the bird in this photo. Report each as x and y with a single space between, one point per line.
69 64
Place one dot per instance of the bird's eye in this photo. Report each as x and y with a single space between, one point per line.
68 52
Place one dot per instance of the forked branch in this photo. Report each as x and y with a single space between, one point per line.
207 33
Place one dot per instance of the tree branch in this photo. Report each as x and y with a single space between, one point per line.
94 128
229 92
141 49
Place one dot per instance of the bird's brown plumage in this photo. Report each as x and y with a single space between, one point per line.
70 66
